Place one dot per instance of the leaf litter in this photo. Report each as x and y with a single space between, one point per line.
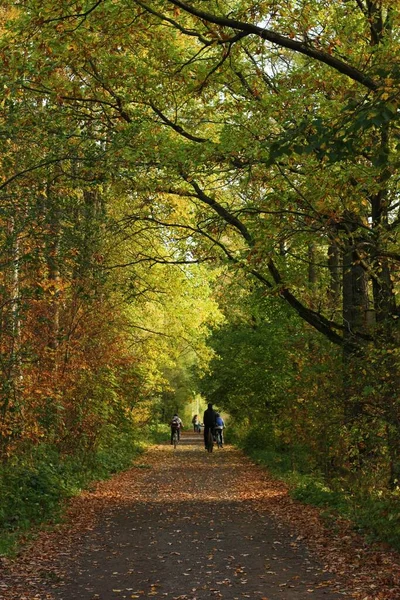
187 525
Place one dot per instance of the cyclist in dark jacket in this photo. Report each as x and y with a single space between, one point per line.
209 419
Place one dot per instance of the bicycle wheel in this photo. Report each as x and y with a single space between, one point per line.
210 441
175 439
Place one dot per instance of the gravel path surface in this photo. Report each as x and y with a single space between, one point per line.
187 525
191 525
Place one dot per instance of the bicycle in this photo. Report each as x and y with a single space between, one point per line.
210 440
218 438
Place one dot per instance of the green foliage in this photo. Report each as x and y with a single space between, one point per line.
374 514
157 433
33 486
314 491
252 367
264 444
127 197
378 517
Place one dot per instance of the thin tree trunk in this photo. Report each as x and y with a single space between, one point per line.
312 273
53 268
16 371
334 272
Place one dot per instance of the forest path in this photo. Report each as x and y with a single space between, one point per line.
191 525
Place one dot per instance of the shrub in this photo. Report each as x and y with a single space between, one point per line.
33 485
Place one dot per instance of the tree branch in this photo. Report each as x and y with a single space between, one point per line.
176 127
391 255
191 32
135 326
318 321
221 211
45 163
75 16
280 40
361 6
196 230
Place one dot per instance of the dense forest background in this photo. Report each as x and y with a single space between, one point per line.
200 202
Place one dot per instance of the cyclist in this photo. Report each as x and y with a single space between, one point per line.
219 426
209 419
196 423
176 425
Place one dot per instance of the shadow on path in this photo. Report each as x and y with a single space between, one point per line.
192 525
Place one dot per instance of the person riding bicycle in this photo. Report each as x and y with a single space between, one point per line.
219 427
209 419
176 425
196 423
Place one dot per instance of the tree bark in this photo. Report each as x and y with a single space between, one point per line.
53 268
334 273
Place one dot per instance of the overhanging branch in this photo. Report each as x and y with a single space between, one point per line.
282 41
175 126
315 319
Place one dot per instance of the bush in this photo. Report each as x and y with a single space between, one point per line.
379 518
28 492
375 516
157 433
264 446
33 486
312 491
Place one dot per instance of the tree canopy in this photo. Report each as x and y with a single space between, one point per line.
156 152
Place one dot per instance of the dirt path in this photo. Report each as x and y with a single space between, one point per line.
186 524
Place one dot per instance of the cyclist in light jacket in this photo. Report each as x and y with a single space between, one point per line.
176 425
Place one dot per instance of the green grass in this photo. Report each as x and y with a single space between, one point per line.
9 543
158 433
34 486
376 515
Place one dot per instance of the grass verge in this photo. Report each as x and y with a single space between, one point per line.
33 487
374 514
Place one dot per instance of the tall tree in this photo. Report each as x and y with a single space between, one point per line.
276 128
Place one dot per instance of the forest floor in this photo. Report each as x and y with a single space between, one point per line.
185 524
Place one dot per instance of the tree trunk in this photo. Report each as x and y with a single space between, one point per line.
312 273
355 293
334 272
355 308
12 378
53 269
383 293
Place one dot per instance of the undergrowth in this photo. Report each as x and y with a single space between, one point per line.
34 486
373 513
